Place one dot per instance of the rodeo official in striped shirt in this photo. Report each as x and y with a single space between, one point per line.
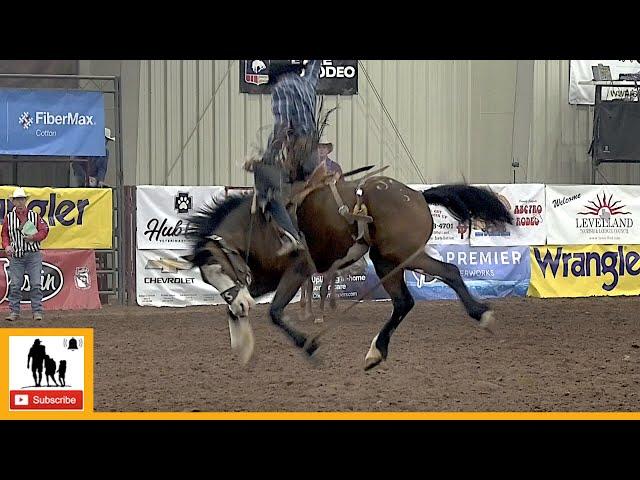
293 104
24 254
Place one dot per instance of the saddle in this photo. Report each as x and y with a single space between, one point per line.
321 178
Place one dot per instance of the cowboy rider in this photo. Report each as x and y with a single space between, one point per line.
293 103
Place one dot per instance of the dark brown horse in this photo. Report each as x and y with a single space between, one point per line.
235 251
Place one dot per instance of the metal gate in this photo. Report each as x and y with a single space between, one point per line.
110 262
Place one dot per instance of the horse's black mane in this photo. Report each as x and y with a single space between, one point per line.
210 216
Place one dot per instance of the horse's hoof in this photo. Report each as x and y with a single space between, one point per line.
488 322
318 320
374 356
311 346
370 362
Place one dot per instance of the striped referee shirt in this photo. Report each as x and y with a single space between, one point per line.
293 99
12 234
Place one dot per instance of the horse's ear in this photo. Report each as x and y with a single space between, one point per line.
188 258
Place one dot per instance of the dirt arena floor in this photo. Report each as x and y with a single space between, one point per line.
547 355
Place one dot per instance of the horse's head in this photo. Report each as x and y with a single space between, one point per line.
223 267
219 259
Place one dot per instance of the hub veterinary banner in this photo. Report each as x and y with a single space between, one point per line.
163 212
527 204
51 122
69 281
79 218
593 214
584 271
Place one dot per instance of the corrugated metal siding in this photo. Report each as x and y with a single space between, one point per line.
455 116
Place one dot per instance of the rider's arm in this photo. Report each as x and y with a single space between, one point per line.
312 72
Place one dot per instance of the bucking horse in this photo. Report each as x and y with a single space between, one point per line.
235 245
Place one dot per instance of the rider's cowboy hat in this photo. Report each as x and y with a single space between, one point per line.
19 193
325 141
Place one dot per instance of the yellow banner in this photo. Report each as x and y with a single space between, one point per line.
77 217
584 271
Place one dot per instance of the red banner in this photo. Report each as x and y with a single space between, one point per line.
69 281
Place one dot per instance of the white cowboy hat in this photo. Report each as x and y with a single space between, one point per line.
19 193
107 134
325 141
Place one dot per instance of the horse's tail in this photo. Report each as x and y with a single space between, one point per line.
466 202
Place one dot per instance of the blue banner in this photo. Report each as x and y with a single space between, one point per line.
488 272
52 122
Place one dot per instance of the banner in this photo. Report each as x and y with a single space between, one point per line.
446 229
584 271
165 279
592 214
488 272
52 122
353 282
580 71
69 281
337 77
79 218
163 212
526 201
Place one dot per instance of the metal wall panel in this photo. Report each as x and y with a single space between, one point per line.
455 117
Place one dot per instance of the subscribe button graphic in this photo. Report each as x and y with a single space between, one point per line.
46 400
47 370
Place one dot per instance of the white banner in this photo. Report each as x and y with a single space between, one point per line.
593 214
164 279
526 201
580 71
446 229
162 213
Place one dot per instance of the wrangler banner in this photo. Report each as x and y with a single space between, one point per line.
584 271
68 280
79 218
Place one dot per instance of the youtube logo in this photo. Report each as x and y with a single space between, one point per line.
21 400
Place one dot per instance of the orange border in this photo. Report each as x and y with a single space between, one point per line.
89 414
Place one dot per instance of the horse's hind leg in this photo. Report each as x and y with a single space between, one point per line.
289 284
402 303
306 298
450 274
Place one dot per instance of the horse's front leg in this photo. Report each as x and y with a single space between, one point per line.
242 341
289 285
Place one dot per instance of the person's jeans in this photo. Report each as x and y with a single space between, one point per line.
31 263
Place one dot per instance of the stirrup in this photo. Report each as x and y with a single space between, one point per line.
290 246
